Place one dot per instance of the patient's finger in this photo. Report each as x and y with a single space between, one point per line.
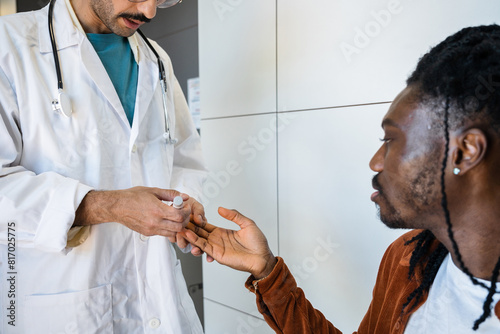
198 230
204 225
198 241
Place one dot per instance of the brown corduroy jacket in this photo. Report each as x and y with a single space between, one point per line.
286 309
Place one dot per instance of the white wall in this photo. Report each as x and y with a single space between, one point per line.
293 93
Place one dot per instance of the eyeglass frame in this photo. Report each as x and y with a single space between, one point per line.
164 4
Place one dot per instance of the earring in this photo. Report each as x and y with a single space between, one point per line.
456 170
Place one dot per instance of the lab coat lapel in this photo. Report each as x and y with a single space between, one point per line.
147 83
61 20
100 76
66 35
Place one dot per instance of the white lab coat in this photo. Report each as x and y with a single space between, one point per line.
116 281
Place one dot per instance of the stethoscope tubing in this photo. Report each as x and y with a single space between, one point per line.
63 104
54 45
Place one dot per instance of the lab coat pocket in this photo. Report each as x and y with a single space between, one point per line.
88 311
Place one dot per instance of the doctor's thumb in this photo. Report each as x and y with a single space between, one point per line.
170 194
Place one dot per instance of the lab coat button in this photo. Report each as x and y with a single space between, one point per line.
154 323
143 237
134 149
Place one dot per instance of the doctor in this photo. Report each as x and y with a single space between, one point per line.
93 140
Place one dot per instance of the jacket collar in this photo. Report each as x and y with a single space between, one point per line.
73 33
65 37
68 35
408 252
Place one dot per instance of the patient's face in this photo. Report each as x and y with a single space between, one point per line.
408 165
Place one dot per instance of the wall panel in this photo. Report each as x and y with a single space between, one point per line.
241 156
238 44
322 73
330 235
338 53
224 320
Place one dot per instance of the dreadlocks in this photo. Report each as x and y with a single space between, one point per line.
461 78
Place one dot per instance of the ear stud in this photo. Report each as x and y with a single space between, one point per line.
456 170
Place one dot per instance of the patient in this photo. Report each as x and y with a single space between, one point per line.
437 173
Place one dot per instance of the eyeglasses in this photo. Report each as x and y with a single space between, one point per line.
161 3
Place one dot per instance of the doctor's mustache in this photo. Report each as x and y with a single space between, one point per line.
136 17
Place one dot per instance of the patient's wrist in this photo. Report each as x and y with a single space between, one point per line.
268 268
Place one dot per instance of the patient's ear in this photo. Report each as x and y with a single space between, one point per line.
470 149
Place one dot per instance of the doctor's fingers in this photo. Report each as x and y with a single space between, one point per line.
181 241
167 194
163 228
175 215
195 251
197 210
166 227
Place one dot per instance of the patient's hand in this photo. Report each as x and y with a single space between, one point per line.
245 250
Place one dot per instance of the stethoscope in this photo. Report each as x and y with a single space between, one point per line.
62 104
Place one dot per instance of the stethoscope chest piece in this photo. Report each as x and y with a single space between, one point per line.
62 104
169 139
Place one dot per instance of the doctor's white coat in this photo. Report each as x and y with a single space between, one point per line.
116 281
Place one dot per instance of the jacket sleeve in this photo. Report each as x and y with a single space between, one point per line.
40 207
286 309
284 305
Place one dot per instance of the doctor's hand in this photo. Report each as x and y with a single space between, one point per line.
245 250
140 209
198 217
